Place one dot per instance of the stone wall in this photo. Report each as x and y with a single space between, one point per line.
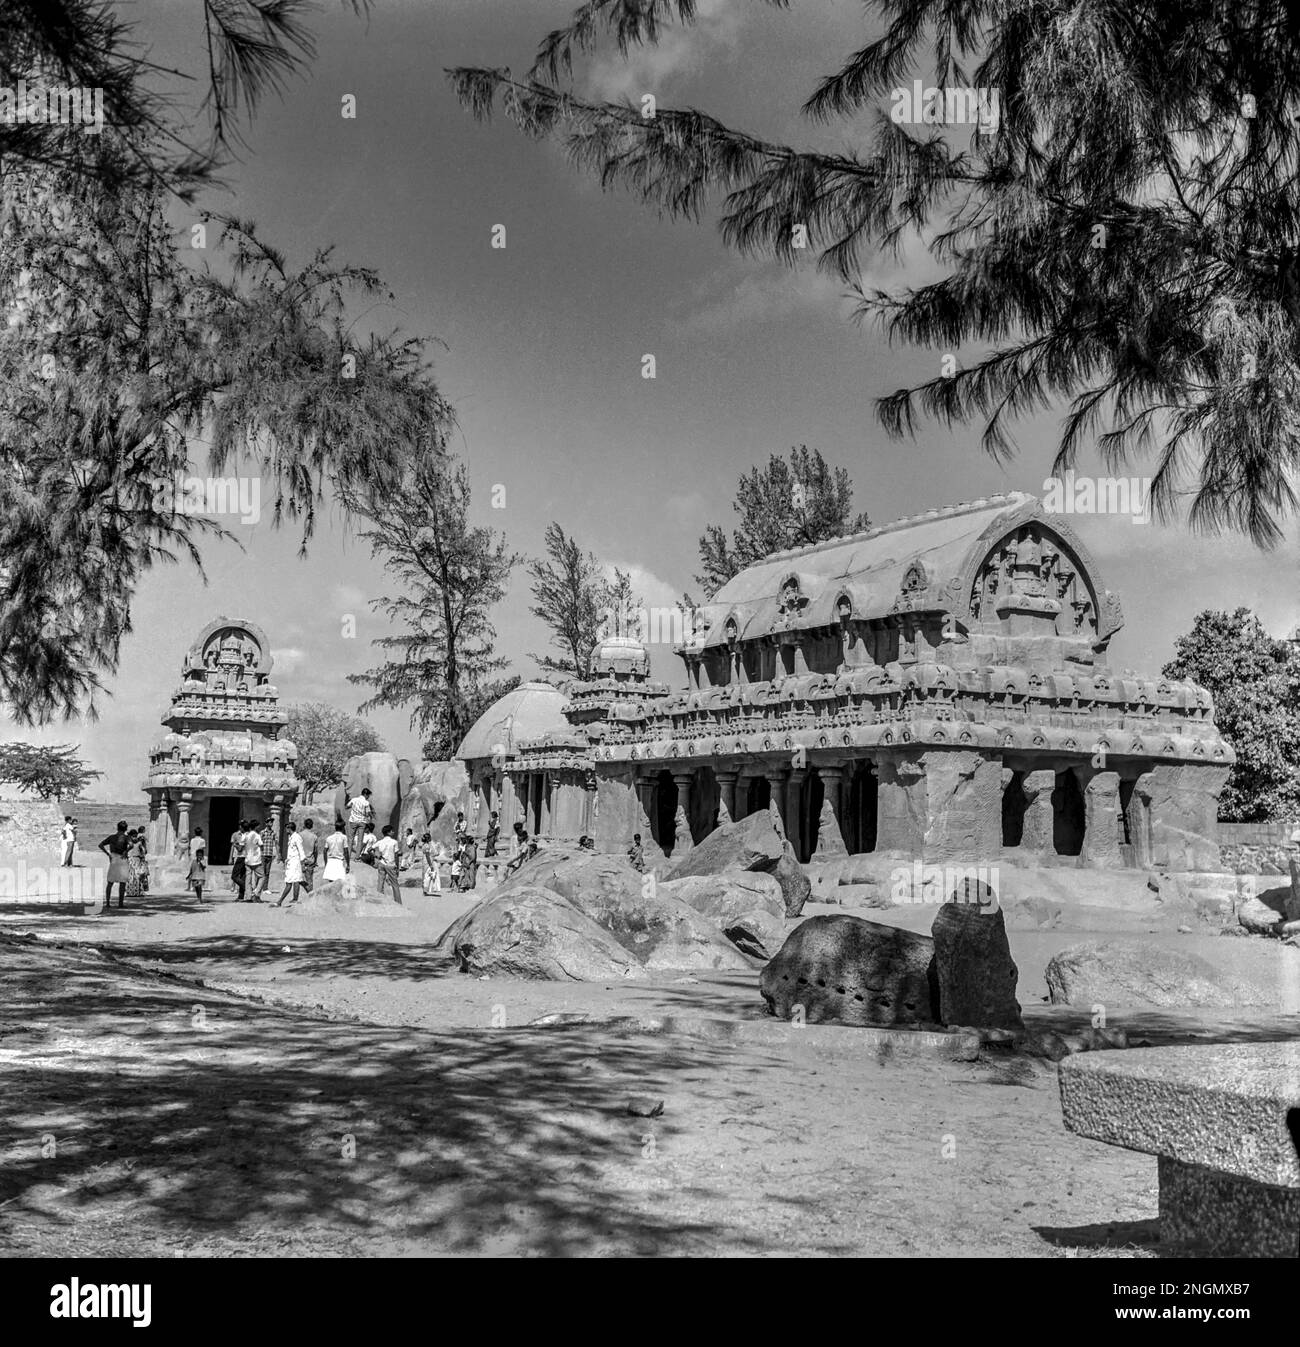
1259 848
29 826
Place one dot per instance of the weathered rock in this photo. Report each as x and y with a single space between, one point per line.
844 969
1258 918
532 932
795 885
380 774
973 964
755 843
745 905
1139 973
658 928
356 896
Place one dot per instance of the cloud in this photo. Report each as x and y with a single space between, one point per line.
288 658
680 52
348 598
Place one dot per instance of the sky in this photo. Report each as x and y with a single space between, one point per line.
542 344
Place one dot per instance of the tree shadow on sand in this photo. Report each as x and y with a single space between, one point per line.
161 1109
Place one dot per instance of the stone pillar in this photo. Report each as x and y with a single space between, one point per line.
964 806
902 811
508 804
830 826
277 826
776 795
1036 836
534 802
183 823
1101 835
682 839
1182 800
794 809
726 797
545 785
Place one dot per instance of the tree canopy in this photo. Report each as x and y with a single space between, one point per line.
54 771
1121 243
326 737
780 506
447 575
1254 679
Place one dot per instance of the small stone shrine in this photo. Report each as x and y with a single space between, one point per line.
221 760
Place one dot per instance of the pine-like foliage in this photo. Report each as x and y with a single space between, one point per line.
1124 247
780 506
120 362
446 575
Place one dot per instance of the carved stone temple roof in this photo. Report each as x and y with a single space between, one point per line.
225 718
924 563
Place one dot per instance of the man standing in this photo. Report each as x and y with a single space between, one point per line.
253 863
636 854
310 850
268 853
69 840
361 814
386 862
238 866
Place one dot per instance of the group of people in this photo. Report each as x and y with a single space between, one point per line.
253 849
128 864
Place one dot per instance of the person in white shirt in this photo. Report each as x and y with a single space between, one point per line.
361 816
386 862
337 860
253 862
293 859
69 840
368 844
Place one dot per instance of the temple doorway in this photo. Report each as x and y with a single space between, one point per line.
665 815
1014 804
758 796
223 819
864 801
1068 815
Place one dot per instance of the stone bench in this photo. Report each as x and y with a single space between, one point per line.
1220 1120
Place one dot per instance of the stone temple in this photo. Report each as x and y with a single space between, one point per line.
936 688
220 760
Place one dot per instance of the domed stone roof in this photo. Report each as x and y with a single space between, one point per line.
620 654
531 710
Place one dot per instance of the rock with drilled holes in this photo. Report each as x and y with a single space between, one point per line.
845 970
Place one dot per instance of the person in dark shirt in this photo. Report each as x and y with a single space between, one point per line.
116 847
493 832
636 854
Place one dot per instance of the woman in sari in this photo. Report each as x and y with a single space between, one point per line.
137 865
431 880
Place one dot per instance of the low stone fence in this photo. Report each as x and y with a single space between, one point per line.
1259 848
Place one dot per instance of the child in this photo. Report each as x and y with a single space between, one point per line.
198 864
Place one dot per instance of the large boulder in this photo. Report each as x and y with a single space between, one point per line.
1138 973
532 932
745 905
1259 918
756 843
659 929
382 774
844 969
974 968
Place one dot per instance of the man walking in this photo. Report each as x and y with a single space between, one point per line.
310 850
386 862
238 866
268 853
361 815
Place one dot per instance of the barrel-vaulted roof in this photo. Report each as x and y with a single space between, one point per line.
927 562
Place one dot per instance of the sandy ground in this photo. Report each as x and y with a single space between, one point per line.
243 1080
